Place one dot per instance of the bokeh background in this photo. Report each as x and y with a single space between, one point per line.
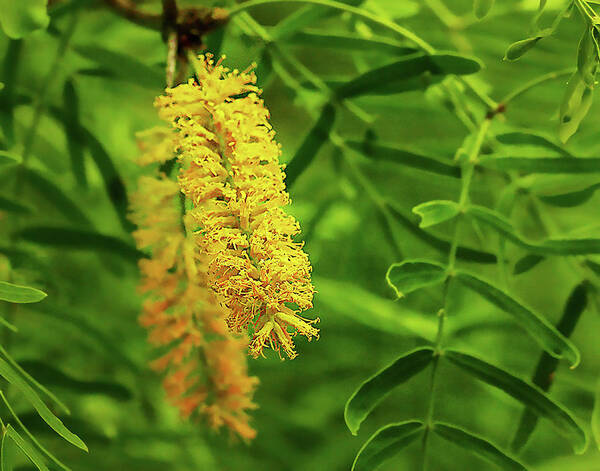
84 340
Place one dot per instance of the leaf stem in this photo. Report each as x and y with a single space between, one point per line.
391 25
535 82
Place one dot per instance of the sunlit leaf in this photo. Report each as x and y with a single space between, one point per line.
530 395
8 158
575 106
27 448
375 389
517 49
536 326
478 445
406 68
435 212
411 275
20 294
571 199
386 443
19 18
54 422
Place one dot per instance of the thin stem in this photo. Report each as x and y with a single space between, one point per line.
535 82
392 26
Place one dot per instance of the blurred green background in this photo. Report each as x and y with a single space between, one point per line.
87 328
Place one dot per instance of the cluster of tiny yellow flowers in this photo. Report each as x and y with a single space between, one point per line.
230 174
206 363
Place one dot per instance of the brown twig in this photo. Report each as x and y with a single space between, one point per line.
128 9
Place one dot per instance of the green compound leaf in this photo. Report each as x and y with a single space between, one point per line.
411 275
79 239
309 148
27 448
478 445
406 68
548 247
19 18
20 294
435 212
529 395
571 199
375 389
8 373
386 443
482 7
550 339
404 157
528 138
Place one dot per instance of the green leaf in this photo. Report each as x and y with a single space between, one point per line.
19 18
386 443
574 107
364 307
528 138
435 212
311 144
75 139
477 445
13 206
544 164
462 253
405 68
124 67
27 448
587 56
411 275
349 42
52 193
20 294
7 158
113 183
550 339
375 389
54 422
52 376
79 239
571 199
548 247
526 263
404 157
482 7
5 461
529 395
547 365
517 49
596 417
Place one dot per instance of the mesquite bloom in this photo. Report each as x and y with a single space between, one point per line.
231 176
205 362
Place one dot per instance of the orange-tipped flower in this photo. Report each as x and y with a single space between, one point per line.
206 370
230 173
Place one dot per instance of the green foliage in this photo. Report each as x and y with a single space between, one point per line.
416 158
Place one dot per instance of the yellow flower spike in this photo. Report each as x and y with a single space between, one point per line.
205 365
230 172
